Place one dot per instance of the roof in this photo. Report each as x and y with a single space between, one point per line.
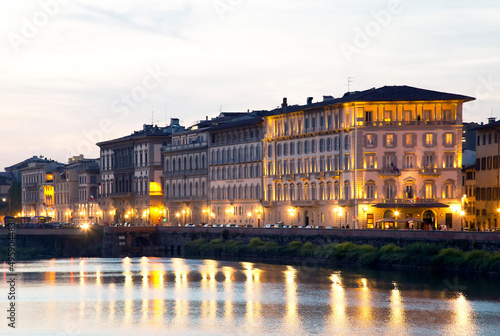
385 93
488 125
26 162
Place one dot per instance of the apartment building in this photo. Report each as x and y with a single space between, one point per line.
488 175
131 176
236 171
76 191
37 187
385 157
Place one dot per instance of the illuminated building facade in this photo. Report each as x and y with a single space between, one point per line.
235 171
382 158
37 188
488 175
76 190
131 171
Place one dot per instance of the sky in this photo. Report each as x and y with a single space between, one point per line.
73 73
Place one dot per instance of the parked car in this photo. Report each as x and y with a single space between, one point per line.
31 226
269 226
190 225
55 225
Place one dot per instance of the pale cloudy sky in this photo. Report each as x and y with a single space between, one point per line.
76 72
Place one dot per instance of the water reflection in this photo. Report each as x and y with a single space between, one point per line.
463 317
149 295
252 296
397 318
291 319
338 318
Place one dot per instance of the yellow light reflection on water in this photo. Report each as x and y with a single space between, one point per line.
181 294
292 325
228 293
463 319
253 296
397 319
127 265
365 308
338 317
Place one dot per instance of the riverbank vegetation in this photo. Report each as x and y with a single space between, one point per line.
415 255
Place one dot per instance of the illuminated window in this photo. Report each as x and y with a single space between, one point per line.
389 140
409 140
429 139
448 139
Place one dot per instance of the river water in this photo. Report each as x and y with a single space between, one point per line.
173 296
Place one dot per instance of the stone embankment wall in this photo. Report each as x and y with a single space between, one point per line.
174 239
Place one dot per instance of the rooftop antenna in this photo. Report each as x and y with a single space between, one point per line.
152 115
220 109
349 81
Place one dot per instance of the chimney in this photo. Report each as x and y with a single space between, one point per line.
284 105
309 100
325 98
174 121
491 120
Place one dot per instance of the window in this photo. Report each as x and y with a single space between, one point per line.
299 148
448 189
346 142
429 161
409 161
370 161
390 189
329 144
447 115
429 190
269 151
448 139
306 147
313 146
368 116
292 148
370 189
429 139
322 145
449 160
427 115
409 139
370 140
389 140
346 162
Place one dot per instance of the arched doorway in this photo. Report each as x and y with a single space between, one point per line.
390 223
306 218
429 218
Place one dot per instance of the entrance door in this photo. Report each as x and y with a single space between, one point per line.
307 218
429 220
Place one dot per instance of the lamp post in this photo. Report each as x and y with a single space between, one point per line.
462 214
292 211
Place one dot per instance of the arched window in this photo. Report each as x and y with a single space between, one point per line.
292 192
203 161
300 192
370 189
185 164
173 189
196 162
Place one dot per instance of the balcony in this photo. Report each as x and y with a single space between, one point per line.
389 172
430 172
304 203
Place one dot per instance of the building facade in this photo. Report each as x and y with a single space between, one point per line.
236 171
131 171
38 188
488 175
382 158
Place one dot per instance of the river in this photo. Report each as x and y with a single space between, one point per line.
174 296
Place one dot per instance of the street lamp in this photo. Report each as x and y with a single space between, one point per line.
462 214
292 212
178 215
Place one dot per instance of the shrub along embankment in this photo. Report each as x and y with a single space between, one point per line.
416 255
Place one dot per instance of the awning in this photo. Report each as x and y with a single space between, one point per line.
410 205
402 220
